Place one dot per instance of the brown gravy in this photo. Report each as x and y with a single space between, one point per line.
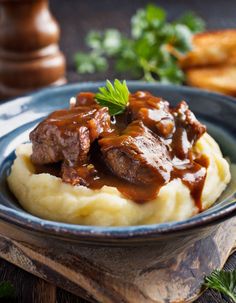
186 166
193 177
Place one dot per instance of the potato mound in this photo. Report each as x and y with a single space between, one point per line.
48 197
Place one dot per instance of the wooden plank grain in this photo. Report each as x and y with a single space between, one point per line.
26 284
211 296
82 272
28 288
44 292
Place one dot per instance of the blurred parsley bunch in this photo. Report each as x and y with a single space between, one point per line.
151 53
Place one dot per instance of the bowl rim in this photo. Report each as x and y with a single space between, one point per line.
27 221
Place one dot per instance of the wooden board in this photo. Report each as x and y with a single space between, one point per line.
98 277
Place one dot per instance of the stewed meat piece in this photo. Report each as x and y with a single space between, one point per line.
185 117
153 111
137 152
137 155
187 131
66 135
177 126
85 98
83 174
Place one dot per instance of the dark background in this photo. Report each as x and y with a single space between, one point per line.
76 18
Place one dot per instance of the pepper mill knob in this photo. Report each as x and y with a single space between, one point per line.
29 54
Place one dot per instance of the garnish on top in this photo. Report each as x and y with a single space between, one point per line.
153 50
147 145
115 96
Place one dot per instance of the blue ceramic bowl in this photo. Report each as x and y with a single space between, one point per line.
19 116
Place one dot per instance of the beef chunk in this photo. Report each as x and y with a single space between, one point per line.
178 126
66 135
85 98
137 152
51 144
185 118
78 174
137 155
153 111
187 131
156 114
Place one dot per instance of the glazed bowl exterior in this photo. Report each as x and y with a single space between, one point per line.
19 116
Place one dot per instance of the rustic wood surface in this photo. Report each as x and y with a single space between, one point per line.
76 18
87 272
27 287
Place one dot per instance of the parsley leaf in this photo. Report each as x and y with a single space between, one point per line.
89 63
182 38
224 282
152 52
144 19
7 290
107 43
193 22
115 97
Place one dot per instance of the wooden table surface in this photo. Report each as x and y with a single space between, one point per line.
76 18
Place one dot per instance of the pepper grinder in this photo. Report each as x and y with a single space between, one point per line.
29 54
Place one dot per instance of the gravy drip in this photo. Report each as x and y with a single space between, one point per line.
177 128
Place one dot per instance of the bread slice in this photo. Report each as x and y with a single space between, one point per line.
217 78
209 48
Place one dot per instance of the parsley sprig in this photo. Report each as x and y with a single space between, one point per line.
151 53
224 282
115 97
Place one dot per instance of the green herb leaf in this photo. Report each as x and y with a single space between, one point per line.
152 16
193 22
155 15
171 74
90 63
128 57
94 40
107 43
152 52
224 282
115 97
182 40
7 290
112 41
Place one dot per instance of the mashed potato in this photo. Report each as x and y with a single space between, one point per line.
48 197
